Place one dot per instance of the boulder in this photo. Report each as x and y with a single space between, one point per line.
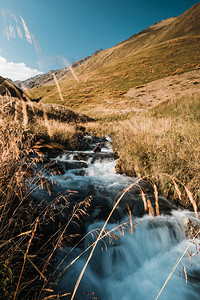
69 165
102 156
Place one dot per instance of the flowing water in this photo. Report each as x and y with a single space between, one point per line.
135 259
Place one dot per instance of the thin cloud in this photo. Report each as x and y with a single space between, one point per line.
12 31
36 44
7 33
15 25
27 33
30 37
19 32
16 71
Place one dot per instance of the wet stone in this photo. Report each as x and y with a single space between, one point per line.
79 173
69 165
80 156
96 149
102 157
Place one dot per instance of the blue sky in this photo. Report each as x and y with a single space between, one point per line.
71 29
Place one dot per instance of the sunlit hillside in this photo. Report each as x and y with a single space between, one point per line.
166 48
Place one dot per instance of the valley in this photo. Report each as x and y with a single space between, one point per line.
100 172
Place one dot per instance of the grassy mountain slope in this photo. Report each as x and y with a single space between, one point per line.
166 48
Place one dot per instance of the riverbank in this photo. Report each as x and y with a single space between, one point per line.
132 241
155 146
161 145
30 230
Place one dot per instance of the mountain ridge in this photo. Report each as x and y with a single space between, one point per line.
47 78
164 49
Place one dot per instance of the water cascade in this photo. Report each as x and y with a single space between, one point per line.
138 252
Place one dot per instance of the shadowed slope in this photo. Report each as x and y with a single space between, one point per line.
7 88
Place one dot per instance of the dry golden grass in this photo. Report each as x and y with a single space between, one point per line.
25 252
164 140
55 129
55 123
25 248
15 228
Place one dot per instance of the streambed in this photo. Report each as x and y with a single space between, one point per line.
136 257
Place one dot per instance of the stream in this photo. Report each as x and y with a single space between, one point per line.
139 251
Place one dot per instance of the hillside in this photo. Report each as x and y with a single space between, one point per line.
47 79
162 90
167 48
7 88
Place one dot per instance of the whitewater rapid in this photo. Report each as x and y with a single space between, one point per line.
135 266
135 261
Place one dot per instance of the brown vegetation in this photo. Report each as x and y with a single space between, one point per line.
30 231
160 145
48 122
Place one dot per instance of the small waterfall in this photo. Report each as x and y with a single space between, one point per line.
135 266
133 262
